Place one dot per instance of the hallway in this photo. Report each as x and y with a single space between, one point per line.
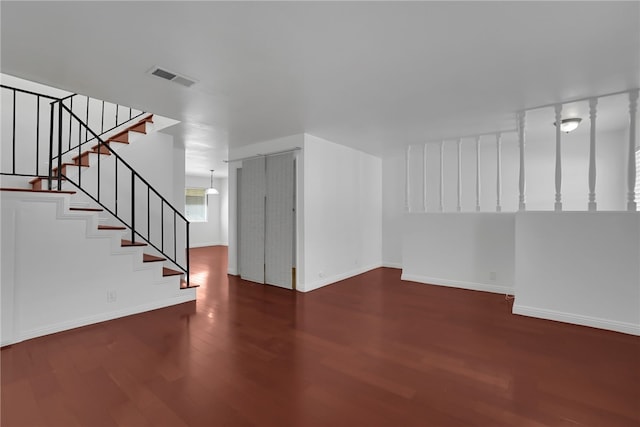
368 351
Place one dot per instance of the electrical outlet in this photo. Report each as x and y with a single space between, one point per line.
492 276
112 296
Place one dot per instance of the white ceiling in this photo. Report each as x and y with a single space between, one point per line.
372 75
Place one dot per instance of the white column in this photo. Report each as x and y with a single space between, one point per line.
521 182
631 171
441 176
407 193
592 155
458 207
477 174
498 171
557 206
424 178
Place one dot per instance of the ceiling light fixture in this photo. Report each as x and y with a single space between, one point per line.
211 190
569 125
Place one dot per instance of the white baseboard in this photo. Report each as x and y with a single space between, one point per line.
392 264
308 287
204 244
578 319
497 289
185 296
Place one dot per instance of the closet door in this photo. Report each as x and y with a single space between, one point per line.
279 221
252 220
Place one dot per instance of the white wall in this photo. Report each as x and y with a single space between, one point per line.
463 250
393 177
45 290
338 209
580 268
343 212
214 230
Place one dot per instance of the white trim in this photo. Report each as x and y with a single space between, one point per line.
204 244
497 289
577 319
308 287
232 271
189 295
392 265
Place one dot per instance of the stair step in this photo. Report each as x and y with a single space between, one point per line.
169 272
111 227
139 128
65 165
152 258
148 119
128 243
31 190
183 285
122 137
39 183
105 150
87 209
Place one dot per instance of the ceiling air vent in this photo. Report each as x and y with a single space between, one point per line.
171 76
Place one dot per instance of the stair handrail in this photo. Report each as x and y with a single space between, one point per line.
134 174
103 131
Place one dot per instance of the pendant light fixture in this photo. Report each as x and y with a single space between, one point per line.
211 190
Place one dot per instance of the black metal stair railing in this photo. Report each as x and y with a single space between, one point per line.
48 131
27 117
128 198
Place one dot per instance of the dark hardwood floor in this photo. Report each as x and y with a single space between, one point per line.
368 351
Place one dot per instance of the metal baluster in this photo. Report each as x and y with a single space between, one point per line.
37 135
14 131
59 145
175 253
51 118
71 109
187 275
133 207
148 213
102 119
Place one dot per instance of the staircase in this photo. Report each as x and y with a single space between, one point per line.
90 183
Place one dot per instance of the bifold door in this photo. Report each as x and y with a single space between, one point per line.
266 220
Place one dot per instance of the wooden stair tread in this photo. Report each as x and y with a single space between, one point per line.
111 227
44 178
169 272
30 190
127 243
86 209
139 127
147 119
152 258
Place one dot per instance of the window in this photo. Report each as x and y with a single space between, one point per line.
196 204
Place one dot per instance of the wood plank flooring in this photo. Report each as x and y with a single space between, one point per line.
368 351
